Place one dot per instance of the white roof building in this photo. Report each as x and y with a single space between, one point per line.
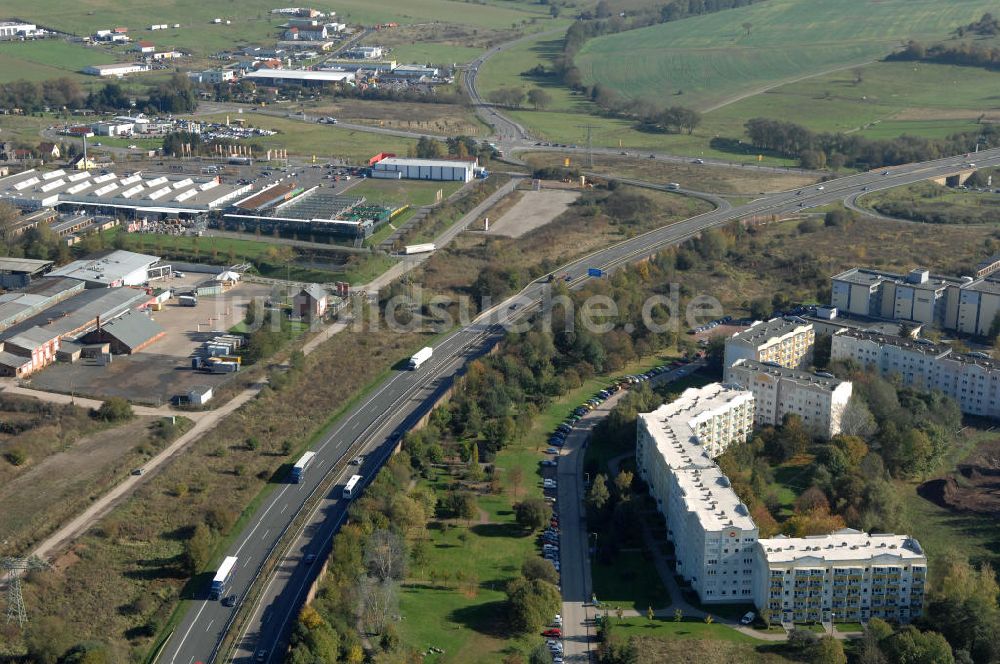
785 341
300 76
118 268
844 576
818 399
710 527
119 69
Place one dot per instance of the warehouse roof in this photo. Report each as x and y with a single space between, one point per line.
31 338
107 269
845 545
133 329
435 163
25 265
174 192
301 75
79 312
13 361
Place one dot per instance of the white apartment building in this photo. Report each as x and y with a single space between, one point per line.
819 399
971 379
785 341
212 76
847 576
711 529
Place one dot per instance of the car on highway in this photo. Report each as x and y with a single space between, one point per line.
699 161
309 559
229 600
747 618
261 655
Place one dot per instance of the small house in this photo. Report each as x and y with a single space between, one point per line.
311 302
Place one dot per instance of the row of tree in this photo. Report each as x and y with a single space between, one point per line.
819 150
34 96
514 97
967 54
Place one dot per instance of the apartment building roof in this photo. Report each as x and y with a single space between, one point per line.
762 331
918 278
986 285
826 382
707 491
846 545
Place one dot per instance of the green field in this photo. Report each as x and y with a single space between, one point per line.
403 192
48 58
436 54
687 628
324 141
706 60
251 21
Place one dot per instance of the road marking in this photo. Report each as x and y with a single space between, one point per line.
188 632
281 493
284 508
210 623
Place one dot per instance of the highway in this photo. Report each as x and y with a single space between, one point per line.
406 396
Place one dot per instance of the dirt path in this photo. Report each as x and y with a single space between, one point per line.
534 210
778 84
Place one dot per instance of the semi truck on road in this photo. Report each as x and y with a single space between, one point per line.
222 577
420 357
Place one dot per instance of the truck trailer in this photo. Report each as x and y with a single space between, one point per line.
418 248
222 577
420 357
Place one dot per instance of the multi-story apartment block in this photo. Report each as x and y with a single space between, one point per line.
787 342
971 379
819 399
711 529
845 576
965 304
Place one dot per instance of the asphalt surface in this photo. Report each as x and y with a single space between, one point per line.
406 396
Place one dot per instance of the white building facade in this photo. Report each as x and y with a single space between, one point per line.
846 576
972 380
711 529
784 341
819 400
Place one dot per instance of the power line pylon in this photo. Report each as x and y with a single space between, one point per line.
590 144
16 568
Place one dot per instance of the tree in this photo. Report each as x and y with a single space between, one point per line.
385 556
623 484
516 478
379 601
115 409
857 420
533 514
911 645
678 615
828 651
463 505
531 604
859 75
539 98
650 614
541 569
747 27
198 549
598 495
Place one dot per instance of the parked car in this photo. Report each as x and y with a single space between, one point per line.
554 632
748 618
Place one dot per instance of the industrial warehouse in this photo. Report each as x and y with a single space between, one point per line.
139 193
287 208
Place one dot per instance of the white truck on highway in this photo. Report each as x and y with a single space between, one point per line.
418 248
222 577
420 357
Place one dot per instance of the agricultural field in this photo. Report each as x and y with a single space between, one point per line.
325 141
705 60
47 59
251 21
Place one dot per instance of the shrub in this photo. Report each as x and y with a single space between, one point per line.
114 409
16 456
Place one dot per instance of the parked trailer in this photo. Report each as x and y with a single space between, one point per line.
222 367
188 300
418 248
351 489
300 467
420 357
222 577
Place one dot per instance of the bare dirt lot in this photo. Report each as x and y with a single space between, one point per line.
534 210
737 181
974 487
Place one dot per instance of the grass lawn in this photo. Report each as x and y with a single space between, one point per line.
48 58
630 582
324 141
934 203
688 628
404 192
704 60
441 54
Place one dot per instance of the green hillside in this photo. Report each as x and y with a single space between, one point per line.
707 60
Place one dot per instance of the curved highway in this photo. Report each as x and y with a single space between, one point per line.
374 425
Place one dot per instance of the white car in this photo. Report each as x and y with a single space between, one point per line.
747 618
820 188
557 621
